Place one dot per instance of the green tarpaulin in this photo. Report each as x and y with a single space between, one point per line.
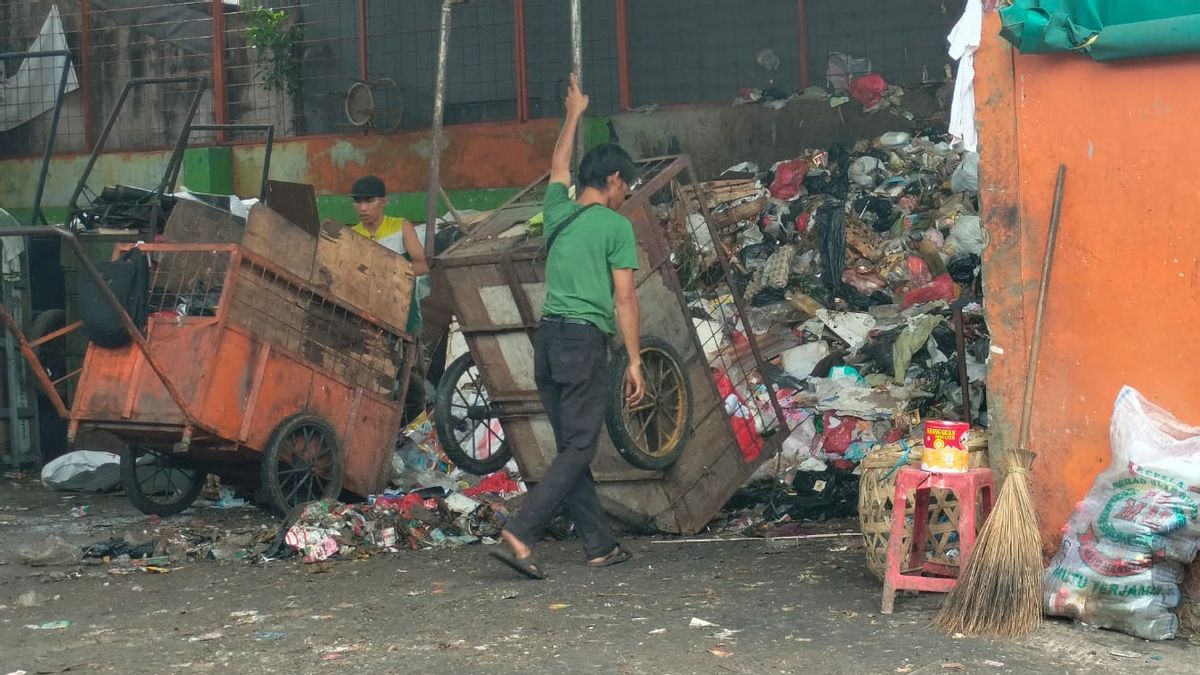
1103 29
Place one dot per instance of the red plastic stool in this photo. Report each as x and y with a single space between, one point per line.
966 487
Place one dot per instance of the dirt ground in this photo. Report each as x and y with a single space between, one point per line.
774 607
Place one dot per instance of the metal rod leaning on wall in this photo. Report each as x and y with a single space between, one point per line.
44 170
1035 348
432 193
577 67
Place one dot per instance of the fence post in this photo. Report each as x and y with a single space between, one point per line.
362 39
623 53
220 94
802 41
522 64
85 67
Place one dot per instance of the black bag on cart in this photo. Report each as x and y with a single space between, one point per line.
129 279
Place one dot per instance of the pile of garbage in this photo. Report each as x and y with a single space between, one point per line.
847 78
853 266
391 522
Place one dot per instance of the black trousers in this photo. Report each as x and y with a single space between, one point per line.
571 370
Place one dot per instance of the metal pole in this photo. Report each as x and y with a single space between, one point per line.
622 11
577 66
439 108
522 61
53 135
220 96
960 344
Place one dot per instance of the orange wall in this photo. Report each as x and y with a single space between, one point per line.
474 156
1124 302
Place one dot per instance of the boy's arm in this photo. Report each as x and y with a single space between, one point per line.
416 250
576 104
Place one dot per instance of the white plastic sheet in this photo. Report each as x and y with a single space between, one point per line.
33 89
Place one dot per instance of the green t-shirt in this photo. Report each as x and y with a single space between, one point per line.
579 270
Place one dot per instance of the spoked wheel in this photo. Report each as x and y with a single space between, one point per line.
652 434
154 485
467 425
302 463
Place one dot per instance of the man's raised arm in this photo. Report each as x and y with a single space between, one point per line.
576 104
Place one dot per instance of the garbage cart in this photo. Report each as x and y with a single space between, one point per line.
711 414
271 361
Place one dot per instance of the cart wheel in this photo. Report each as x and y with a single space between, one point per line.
303 462
466 425
652 434
156 487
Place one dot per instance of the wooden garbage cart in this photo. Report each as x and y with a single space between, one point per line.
269 362
671 462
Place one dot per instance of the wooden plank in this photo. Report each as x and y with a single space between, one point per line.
363 274
296 202
193 222
277 239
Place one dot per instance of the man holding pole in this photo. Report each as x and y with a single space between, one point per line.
591 259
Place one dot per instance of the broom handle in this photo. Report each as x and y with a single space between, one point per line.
1035 347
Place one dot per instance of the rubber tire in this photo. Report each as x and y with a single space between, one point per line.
445 428
270 461
52 354
145 505
615 420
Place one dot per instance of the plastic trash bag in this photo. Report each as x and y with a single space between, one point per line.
52 550
83 471
1126 545
966 177
966 236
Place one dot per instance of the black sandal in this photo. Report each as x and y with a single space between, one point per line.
523 566
616 557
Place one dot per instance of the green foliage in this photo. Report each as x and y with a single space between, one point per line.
275 47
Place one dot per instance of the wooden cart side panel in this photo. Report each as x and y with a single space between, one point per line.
104 383
363 274
279 240
642 505
284 392
704 497
372 443
366 428
188 349
234 371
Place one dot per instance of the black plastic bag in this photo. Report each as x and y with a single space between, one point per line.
129 280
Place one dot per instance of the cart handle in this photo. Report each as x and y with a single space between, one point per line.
136 335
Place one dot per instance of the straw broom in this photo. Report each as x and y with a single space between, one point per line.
999 589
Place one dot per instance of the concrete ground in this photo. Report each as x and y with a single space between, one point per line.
737 607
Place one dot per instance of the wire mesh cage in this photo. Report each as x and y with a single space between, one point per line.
191 282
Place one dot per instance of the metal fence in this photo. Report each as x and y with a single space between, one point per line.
368 66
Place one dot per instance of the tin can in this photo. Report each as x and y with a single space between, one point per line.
946 447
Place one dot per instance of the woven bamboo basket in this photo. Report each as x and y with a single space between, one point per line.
877 485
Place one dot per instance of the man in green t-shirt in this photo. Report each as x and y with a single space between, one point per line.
592 255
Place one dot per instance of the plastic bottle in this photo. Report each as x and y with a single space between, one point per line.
1160 627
